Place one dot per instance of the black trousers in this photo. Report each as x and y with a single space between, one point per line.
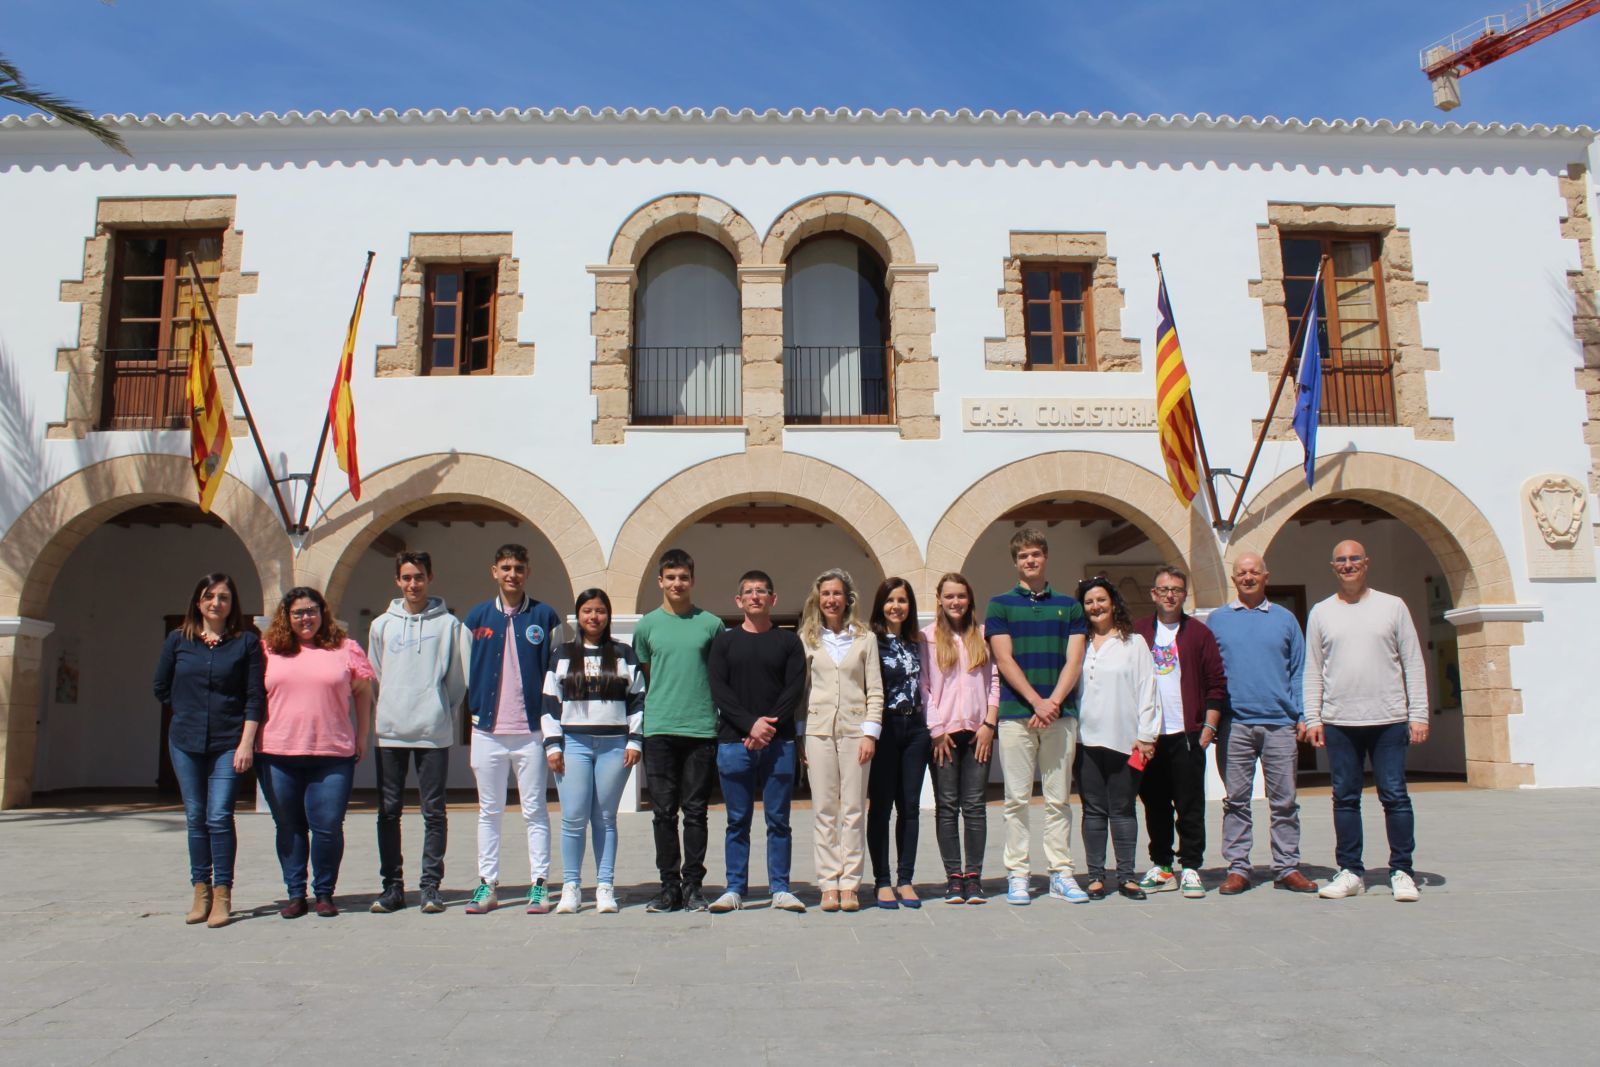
958 798
679 772
433 766
1107 787
1173 788
894 788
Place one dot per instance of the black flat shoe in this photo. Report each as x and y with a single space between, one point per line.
1132 891
1096 891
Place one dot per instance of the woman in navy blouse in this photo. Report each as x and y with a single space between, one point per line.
213 674
901 760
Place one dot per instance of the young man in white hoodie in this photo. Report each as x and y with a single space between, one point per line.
419 652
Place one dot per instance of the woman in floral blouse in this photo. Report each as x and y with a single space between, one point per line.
902 756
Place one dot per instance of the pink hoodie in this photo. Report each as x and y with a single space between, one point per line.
957 699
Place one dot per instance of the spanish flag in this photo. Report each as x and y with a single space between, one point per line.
209 443
1174 406
341 404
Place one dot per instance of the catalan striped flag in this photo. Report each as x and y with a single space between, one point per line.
209 443
1174 405
341 403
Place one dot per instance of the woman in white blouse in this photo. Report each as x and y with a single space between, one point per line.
1118 720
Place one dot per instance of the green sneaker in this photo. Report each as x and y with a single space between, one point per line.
1158 879
484 899
538 897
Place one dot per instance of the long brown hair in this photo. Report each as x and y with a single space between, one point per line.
909 633
1121 621
944 636
280 639
194 626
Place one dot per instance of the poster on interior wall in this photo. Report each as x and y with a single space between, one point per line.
67 678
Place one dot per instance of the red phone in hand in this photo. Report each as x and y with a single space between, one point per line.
1137 760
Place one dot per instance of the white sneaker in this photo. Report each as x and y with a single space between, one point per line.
1192 886
729 901
1158 879
1403 887
1344 884
605 899
787 901
571 899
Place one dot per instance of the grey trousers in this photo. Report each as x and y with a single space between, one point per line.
1238 748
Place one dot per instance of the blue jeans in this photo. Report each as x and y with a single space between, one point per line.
768 772
590 790
1349 747
308 796
209 786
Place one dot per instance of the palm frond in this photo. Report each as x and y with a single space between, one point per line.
15 88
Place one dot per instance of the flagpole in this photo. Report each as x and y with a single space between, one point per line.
1266 423
1200 441
327 422
244 401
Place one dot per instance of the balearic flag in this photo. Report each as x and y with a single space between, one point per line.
209 443
342 405
1308 383
1174 406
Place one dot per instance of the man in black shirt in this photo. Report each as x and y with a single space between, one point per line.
758 675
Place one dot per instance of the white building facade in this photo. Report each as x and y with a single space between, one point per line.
794 341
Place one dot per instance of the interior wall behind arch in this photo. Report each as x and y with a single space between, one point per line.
1073 547
108 606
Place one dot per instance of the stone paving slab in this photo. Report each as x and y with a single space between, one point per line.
1499 963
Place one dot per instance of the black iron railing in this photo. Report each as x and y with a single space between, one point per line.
145 389
837 384
686 385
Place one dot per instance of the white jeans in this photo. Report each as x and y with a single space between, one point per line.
522 754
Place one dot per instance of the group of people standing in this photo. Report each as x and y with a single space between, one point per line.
1044 682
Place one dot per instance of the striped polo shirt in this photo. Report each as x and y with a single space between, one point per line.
1039 625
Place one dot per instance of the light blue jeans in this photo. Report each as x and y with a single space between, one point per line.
590 790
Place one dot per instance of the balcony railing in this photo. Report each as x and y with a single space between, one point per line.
837 385
1357 386
686 386
145 389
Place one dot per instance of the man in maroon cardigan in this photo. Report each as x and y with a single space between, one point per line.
1192 688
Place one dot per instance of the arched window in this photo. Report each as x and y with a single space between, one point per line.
836 355
686 334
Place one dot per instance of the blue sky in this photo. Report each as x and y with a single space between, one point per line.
1356 58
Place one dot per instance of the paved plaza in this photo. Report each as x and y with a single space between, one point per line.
1499 963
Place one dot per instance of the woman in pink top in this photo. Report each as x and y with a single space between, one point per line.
308 746
961 691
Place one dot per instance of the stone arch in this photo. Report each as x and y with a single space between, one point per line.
42 538
675 213
1144 498
846 212
1474 563
345 530
769 476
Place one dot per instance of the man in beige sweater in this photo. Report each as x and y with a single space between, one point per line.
1366 697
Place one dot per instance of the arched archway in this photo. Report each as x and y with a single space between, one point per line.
772 477
1468 553
845 212
42 539
1146 500
675 213
348 527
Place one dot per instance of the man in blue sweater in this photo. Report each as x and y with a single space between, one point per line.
1263 653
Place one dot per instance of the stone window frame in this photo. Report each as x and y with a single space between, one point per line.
1402 292
1578 225
405 358
1110 352
83 365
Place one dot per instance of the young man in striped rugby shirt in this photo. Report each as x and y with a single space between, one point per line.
1037 637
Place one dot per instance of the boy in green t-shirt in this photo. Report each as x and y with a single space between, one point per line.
680 729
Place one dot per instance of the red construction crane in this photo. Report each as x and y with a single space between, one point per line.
1495 37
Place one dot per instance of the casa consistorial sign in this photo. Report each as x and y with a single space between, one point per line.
1077 414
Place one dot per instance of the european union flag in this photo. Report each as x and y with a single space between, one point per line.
1308 398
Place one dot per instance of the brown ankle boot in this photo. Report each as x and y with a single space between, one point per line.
221 906
201 906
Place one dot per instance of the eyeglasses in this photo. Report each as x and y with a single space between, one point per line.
1166 591
304 613
1340 560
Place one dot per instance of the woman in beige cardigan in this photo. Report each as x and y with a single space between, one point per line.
843 718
